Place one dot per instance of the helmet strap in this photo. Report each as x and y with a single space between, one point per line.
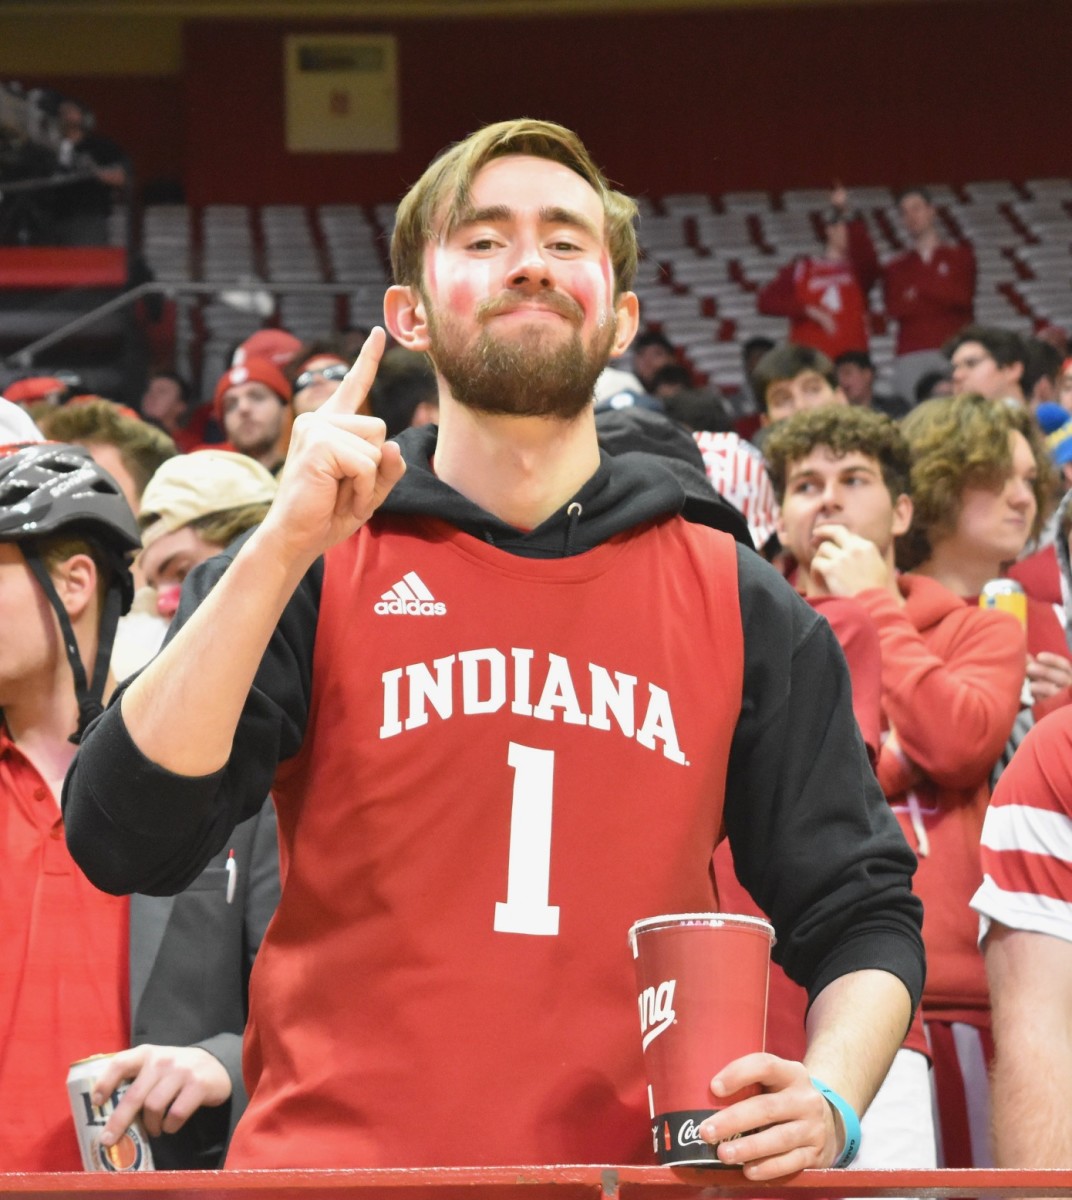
88 694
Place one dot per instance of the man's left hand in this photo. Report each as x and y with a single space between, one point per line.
169 1084
1047 674
789 1127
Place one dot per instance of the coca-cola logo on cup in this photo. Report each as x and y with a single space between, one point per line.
689 1134
656 1010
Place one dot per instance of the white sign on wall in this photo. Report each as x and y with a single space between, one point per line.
342 93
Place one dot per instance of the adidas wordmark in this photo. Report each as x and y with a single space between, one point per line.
409 597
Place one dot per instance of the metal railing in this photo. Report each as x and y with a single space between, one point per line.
25 356
527 1183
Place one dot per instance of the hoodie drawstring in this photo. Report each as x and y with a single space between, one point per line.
573 514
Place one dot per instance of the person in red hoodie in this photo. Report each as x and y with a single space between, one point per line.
980 483
980 516
951 680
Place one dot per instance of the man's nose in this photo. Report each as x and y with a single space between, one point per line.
531 268
1021 494
830 500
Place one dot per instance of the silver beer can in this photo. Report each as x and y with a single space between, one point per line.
132 1151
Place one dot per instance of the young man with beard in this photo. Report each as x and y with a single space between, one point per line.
491 744
252 403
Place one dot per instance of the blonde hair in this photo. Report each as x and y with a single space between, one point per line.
221 528
439 200
959 442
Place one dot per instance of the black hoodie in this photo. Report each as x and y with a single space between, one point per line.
833 873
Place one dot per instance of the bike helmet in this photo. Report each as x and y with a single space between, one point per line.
49 488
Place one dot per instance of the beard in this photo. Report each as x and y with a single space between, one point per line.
534 374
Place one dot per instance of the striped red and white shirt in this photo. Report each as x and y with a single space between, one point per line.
1027 836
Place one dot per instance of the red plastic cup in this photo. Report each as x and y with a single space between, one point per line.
702 998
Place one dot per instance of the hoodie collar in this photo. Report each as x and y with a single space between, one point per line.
927 601
625 491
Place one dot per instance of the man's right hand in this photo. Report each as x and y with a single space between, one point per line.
339 468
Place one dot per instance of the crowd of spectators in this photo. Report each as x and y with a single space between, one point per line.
890 512
59 175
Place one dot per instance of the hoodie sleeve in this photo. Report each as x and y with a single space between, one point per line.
133 826
812 837
972 686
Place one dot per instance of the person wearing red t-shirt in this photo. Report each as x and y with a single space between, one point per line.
1025 907
929 291
84 973
825 296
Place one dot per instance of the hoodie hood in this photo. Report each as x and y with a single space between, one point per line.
1060 546
927 602
624 492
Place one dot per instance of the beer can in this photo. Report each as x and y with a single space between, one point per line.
1006 595
131 1151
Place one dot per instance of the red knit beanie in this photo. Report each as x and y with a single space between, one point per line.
253 370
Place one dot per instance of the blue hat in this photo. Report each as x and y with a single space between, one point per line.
1051 416
1059 443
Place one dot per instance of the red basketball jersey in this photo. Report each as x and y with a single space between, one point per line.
509 760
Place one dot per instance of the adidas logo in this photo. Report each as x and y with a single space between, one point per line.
409 597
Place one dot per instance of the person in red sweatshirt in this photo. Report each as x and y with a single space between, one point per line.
825 295
951 679
929 290
984 527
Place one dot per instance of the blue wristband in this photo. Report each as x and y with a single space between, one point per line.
849 1120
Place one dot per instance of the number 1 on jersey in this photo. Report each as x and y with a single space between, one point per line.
528 880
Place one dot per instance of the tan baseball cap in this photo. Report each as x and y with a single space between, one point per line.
195 485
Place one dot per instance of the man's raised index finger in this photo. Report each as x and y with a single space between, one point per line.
351 393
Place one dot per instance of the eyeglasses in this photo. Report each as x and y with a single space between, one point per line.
969 362
333 374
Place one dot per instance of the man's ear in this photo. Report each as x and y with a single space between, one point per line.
902 515
405 317
627 310
76 584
